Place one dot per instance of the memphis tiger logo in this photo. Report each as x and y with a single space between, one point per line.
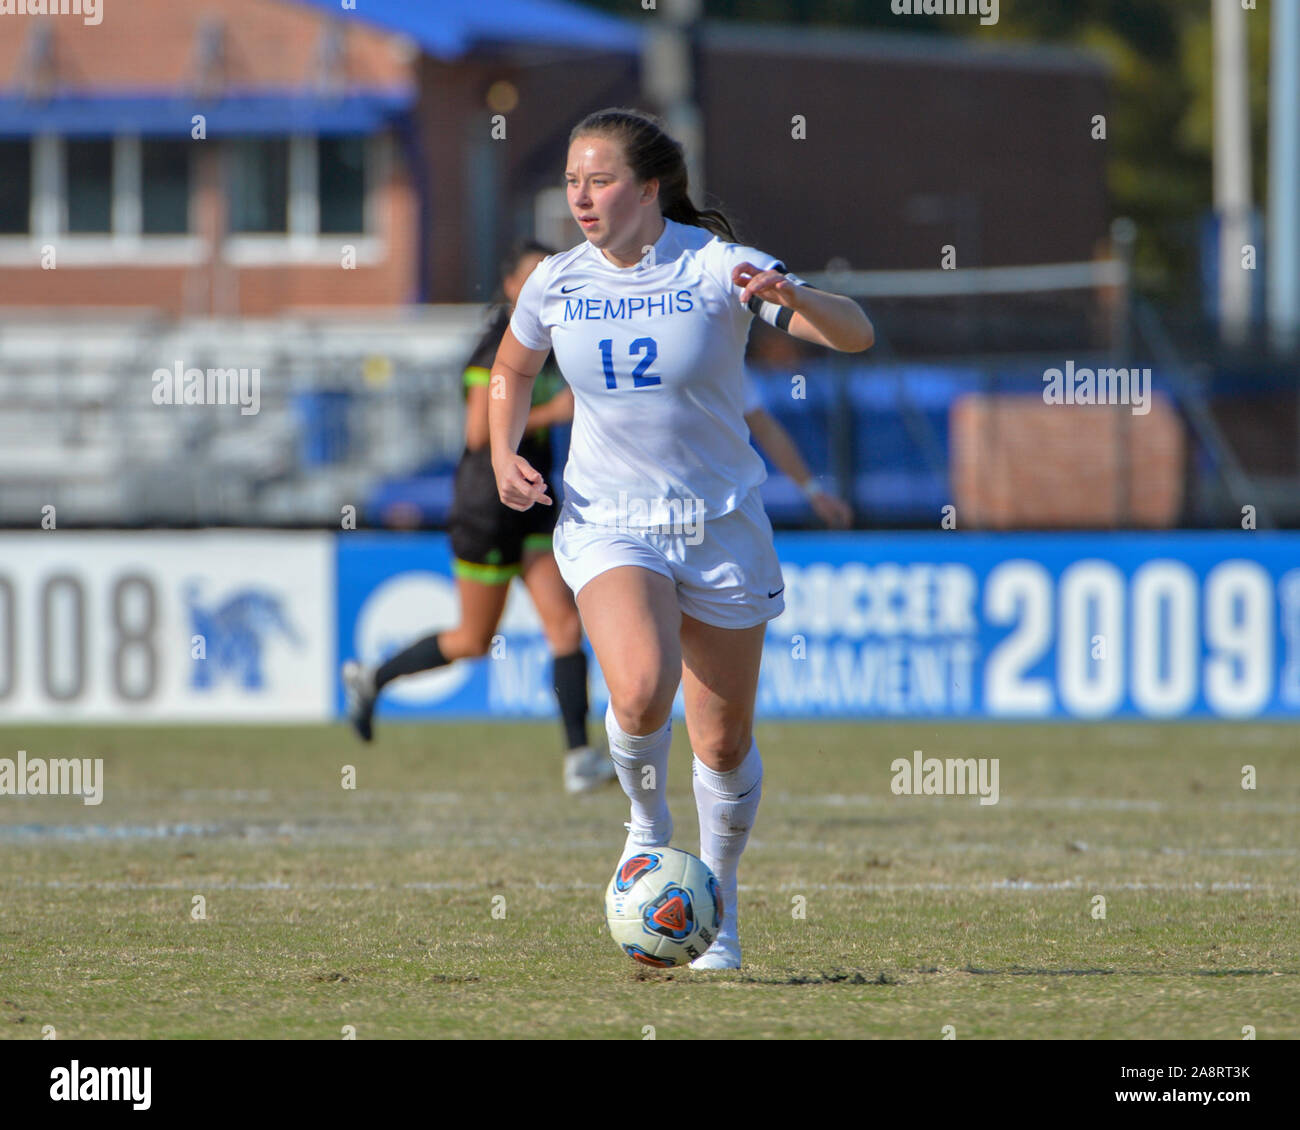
632 869
636 953
715 891
671 915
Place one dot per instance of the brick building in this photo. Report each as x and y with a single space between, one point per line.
205 158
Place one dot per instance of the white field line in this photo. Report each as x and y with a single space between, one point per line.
254 835
340 831
996 886
827 800
270 796
1106 804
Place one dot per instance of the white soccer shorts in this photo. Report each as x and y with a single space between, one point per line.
730 578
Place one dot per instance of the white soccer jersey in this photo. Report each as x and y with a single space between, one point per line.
654 355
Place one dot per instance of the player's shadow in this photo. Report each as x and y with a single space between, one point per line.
884 977
1022 972
830 977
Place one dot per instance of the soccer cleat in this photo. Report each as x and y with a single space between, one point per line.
359 688
586 769
725 951
723 954
638 839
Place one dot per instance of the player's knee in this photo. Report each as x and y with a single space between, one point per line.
641 708
565 635
725 750
477 644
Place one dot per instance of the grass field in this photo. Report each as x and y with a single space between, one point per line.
373 907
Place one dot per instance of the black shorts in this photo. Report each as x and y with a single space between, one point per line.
488 539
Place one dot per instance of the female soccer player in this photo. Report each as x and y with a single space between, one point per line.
493 544
662 536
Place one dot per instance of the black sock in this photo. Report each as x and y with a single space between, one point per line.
570 675
424 655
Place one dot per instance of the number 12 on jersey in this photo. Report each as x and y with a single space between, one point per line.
648 345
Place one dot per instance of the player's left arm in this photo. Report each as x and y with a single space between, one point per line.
832 320
779 446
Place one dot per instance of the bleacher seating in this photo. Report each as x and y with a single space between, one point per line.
367 411
79 427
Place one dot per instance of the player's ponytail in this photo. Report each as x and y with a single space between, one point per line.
650 153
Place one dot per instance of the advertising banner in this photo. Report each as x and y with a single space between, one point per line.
202 625
925 625
245 626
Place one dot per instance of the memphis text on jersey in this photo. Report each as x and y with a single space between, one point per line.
590 309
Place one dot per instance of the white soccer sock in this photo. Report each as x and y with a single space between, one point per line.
727 804
642 764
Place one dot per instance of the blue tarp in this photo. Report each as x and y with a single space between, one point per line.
451 29
164 113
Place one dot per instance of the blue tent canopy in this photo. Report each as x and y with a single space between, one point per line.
171 113
451 29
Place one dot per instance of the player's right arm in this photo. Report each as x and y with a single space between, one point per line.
557 410
510 395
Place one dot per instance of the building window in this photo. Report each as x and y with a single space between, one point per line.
259 185
89 166
165 187
122 199
341 183
16 187
302 198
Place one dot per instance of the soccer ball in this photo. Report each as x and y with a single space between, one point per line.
663 907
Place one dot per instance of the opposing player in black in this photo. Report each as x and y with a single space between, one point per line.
492 544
